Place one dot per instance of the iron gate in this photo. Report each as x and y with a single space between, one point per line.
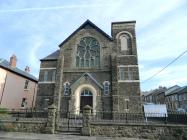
69 122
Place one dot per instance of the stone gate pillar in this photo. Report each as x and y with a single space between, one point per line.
87 114
51 120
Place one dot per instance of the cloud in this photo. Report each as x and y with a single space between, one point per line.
35 29
55 8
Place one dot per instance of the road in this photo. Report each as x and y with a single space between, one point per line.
62 136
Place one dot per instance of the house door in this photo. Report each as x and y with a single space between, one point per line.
86 99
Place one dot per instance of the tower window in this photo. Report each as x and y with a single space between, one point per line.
128 73
45 75
53 76
125 42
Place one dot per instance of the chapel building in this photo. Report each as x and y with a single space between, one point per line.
92 68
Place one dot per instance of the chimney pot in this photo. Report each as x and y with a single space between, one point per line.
27 69
13 61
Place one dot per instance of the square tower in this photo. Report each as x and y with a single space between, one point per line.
124 64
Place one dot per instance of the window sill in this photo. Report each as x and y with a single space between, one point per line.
128 81
46 82
26 89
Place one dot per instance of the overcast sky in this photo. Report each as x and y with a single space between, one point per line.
32 29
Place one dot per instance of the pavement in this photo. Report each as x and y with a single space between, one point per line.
61 136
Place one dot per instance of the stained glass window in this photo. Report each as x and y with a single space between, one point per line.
88 53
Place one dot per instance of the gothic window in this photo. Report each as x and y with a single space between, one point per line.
125 42
106 85
88 53
66 88
127 73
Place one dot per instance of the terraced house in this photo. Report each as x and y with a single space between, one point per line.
92 68
17 87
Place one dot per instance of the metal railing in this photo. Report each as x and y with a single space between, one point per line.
141 118
23 115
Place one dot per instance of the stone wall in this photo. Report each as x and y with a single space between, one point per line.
172 132
23 126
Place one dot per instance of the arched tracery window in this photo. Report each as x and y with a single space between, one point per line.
88 53
125 42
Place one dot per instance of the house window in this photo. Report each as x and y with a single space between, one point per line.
24 102
46 103
127 73
126 104
45 75
66 88
106 85
88 53
26 84
181 97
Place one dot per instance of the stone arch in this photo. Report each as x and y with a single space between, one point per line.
123 32
124 41
77 95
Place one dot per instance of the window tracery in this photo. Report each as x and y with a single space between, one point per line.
88 53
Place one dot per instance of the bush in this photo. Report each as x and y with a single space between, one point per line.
3 110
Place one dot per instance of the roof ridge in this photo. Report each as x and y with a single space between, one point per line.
1 60
5 65
80 27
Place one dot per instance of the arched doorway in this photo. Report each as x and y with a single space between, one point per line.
86 99
77 97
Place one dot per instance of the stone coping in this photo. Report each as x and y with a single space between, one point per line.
39 121
132 124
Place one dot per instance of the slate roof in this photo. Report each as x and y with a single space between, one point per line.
87 23
171 89
5 65
52 56
91 77
156 92
183 89
178 90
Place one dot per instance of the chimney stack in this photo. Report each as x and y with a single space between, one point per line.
27 69
13 61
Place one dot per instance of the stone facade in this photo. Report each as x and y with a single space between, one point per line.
81 83
23 126
161 132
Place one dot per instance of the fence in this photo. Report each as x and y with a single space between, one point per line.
23 115
148 118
